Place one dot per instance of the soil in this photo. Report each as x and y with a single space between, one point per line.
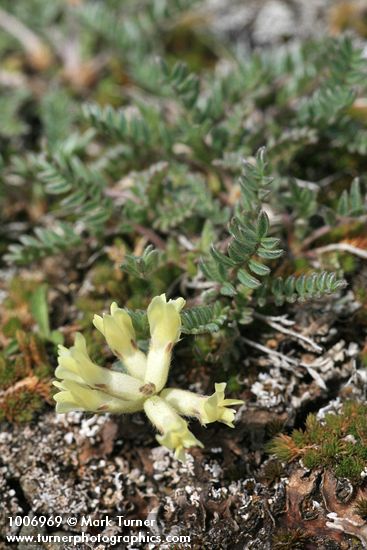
230 494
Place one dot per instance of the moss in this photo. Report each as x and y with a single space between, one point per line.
284 447
361 508
290 540
24 378
363 356
32 355
272 471
24 358
20 406
275 426
350 467
348 263
311 459
43 371
14 368
20 292
349 15
11 326
108 280
8 375
233 384
338 442
360 292
87 306
344 231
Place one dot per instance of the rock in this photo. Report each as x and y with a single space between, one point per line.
274 23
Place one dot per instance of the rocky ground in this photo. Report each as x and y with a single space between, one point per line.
229 495
261 23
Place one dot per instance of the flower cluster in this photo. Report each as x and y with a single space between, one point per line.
86 386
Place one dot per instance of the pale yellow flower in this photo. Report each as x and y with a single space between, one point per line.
207 409
86 386
74 397
119 332
75 365
165 329
175 434
164 320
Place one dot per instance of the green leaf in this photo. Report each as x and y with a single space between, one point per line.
213 271
56 337
144 265
343 204
239 252
248 280
39 309
207 236
227 289
290 286
221 258
269 242
301 285
269 254
258 268
203 319
321 281
262 225
356 200
140 322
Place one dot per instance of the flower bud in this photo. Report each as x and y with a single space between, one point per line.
206 409
165 329
174 430
119 332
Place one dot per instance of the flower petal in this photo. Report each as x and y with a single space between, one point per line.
119 332
76 397
79 368
175 434
206 408
165 328
164 320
